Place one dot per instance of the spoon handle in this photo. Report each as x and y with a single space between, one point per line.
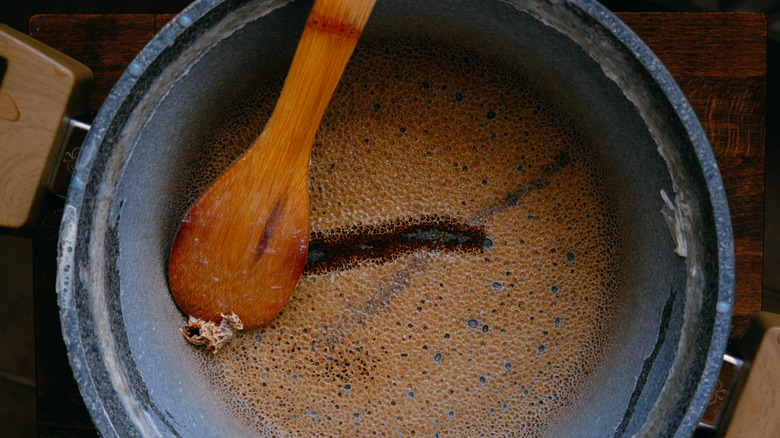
241 248
331 33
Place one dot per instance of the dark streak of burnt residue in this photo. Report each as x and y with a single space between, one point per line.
560 161
268 231
344 247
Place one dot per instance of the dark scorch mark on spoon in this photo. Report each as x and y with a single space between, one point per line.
268 231
344 247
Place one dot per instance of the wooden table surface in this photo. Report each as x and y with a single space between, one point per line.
718 59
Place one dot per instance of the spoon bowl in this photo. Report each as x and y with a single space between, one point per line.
241 248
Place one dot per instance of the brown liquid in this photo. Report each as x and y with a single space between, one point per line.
463 266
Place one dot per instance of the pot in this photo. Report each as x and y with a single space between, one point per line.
119 322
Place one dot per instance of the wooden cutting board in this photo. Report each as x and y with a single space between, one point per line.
718 59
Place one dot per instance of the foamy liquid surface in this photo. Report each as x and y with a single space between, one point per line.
493 339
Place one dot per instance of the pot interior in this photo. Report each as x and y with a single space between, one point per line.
583 319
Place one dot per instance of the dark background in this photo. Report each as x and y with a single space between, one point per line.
17 367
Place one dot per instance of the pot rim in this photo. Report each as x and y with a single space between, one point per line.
129 89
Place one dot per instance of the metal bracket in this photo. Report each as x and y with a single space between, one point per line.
59 180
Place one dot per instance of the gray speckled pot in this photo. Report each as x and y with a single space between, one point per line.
117 315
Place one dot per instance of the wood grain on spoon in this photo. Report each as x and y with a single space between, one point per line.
242 246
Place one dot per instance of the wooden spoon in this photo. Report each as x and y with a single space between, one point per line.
241 248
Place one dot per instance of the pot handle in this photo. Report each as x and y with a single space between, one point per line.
41 91
751 409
